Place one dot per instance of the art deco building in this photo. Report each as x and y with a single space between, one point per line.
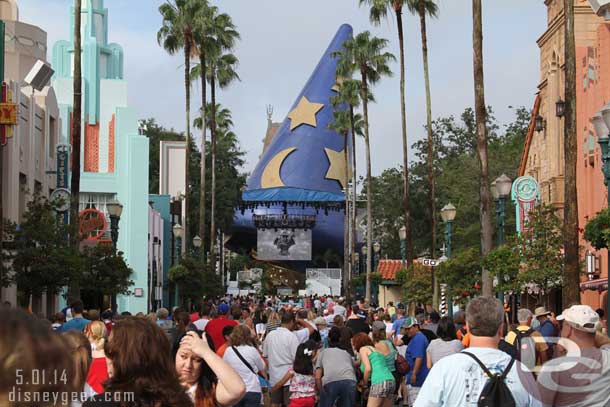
543 155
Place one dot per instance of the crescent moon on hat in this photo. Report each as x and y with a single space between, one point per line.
271 177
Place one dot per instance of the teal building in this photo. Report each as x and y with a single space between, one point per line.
114 157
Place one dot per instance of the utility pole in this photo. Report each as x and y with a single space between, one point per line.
76 142
2 155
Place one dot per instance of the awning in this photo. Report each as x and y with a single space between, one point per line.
600 284
289 194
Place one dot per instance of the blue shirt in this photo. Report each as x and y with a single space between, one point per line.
417 349
75 324
547 329
397 324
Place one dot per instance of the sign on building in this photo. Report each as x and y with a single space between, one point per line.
284 244
525 195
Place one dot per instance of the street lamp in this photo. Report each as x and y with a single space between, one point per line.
448 215
178 232
539 123
402 234
375 288
501 189
197 243
115 209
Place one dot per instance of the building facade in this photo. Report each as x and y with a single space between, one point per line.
543 156
114 156
30 153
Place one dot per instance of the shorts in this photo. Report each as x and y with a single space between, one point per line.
302 402
383 389
281 397
413 393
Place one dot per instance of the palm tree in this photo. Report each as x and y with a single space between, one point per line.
175 34
224 118
571 282
422 8
342 125
367 55
379 9
481 118
213 32
221 73
349 94
76 142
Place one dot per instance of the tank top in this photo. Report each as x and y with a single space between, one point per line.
391 358
379 368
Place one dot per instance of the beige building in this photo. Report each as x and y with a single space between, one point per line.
543 155
31 151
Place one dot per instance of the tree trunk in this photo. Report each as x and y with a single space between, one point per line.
354 211
76 142
202 167
186 240
431 186
405 146
481 115
369 184
213 186
346 222
571 293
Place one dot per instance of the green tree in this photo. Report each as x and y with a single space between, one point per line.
105 273
179 19
534 259
462 273
597 230
379 9
366 54
417 286
42 260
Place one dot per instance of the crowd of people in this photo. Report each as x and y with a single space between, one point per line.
303 352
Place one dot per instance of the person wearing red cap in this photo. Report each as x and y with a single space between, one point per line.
215 326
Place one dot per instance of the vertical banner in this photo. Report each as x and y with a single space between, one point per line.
63 156
525 195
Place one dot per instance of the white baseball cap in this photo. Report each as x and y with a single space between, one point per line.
581 317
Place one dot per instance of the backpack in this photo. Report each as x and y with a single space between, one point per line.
526 347
495 393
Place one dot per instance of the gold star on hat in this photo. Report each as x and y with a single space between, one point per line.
336 170
304 113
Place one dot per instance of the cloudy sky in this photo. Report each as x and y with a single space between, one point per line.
282 41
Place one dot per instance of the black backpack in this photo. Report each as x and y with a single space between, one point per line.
495 393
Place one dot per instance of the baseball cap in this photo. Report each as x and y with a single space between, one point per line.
581 317
361 313
409 322
223 308
378 326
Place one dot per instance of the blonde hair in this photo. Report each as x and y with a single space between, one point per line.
96 332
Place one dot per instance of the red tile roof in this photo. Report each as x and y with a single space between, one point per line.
388 268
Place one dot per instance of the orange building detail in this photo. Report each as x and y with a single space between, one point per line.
111 137
92 149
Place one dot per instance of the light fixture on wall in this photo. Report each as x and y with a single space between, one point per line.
539 123
560 108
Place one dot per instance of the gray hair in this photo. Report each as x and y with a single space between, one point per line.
162 313
523 315
484 316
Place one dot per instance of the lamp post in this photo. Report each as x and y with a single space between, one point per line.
448 215
178 232
115 209
364 268
402 234
601 122
500 189
376 251
197 242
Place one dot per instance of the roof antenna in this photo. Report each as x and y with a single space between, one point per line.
269 114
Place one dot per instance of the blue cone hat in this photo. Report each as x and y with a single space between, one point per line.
304 162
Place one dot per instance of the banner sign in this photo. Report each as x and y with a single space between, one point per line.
8 114
525 194
284 244
63 156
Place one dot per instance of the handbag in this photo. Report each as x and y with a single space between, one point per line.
400 363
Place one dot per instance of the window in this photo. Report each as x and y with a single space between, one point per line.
97 201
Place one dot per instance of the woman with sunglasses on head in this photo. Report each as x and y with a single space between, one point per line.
208 380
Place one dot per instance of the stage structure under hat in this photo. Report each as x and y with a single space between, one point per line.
294 205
